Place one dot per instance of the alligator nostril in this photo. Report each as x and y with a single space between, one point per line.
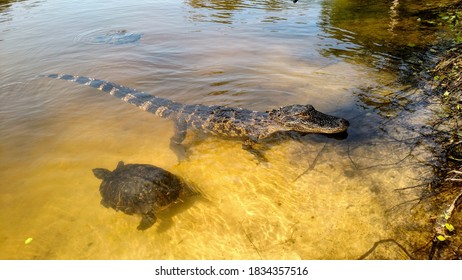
345 123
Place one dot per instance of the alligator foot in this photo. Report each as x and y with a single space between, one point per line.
179 150
248 145
179 135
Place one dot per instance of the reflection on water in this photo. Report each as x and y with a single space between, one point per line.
232 12
382 33
316 198
383 23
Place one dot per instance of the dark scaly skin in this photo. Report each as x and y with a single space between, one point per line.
138 189
251 126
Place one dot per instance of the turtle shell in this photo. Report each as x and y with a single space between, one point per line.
138 189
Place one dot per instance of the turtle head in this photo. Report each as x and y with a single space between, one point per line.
305 118
101 173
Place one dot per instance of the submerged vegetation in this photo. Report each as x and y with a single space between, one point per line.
404 104
448 77
437 69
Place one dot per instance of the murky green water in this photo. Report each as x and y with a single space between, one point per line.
316 198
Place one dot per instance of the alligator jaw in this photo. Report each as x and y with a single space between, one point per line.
306 119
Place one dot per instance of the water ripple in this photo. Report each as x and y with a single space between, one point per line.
111 37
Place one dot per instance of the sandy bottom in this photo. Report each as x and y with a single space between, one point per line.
315 198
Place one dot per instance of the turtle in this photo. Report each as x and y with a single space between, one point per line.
139 189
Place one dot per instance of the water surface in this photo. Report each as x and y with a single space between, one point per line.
315 198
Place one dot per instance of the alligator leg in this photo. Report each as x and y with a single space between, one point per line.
178 137
147 220
248 145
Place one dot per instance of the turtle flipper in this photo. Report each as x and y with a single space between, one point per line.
120 165
147 220
105 203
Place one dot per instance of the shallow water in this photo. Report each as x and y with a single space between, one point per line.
315 198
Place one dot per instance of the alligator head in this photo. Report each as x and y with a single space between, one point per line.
304 118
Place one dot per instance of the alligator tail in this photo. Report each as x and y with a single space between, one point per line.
159 106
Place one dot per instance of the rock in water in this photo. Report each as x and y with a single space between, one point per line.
138 189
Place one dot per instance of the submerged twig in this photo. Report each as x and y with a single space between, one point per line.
400 161
250 240
313 164
376 244
412 187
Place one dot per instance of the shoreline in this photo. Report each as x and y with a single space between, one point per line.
447 242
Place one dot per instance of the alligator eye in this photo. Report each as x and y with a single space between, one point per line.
302 114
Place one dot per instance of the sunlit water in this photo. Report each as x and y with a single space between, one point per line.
315 198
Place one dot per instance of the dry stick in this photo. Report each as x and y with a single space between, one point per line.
454 180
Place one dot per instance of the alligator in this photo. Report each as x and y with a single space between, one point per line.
250 126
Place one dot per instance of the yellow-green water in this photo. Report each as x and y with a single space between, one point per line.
315 198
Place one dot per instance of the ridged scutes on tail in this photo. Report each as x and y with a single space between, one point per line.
159 106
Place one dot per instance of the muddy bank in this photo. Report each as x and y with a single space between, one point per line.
447 242
435 69
433 232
